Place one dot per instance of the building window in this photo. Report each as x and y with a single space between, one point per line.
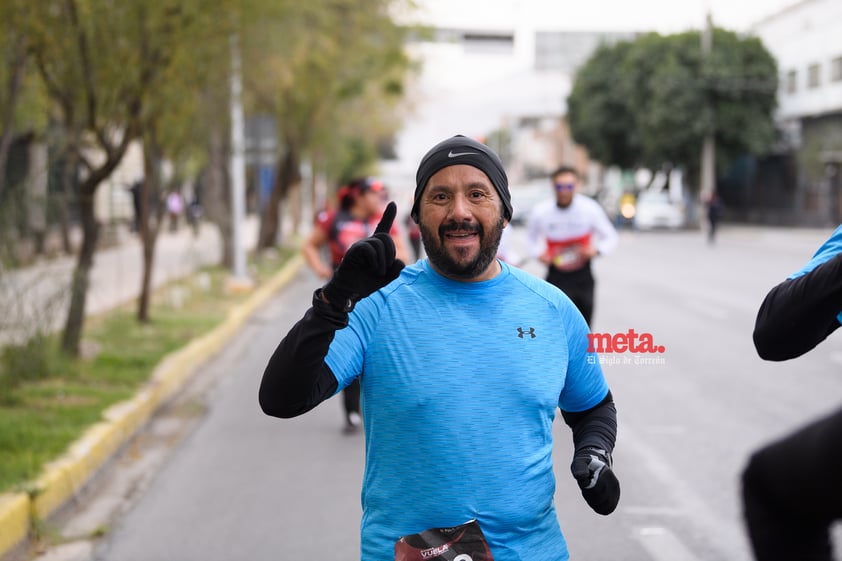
488 42
813 76
791 82
836 69
566 51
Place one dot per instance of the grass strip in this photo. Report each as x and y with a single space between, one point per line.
40 418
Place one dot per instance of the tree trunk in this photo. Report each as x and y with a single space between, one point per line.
81 275
90 235
289 175
150 190
295 203
68 175
148 232
146 280
13 90
215 195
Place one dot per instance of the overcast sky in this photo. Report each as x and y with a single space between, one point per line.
588 15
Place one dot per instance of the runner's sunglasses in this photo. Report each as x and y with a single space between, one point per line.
565 186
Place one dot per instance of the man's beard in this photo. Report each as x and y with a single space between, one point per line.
565 204
445 264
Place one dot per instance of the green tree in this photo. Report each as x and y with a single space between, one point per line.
329 71
673 113
598 111
184 40
652 100
22 110
742 79
14 56
76 55
98 69
112 73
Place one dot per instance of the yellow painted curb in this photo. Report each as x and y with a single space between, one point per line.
14 520
63 478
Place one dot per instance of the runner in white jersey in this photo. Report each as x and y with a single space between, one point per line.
565 234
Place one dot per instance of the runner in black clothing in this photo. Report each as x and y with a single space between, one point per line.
792 489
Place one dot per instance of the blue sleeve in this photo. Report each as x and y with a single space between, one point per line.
585 384
802 311
829 249
346 355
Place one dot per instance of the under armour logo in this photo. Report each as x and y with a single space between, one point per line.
521 332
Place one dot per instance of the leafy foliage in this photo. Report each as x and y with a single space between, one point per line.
599 114
652 100
331 72
99 74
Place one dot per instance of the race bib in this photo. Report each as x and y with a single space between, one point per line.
566 255
567 259
465 542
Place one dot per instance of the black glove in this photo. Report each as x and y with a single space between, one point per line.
367 266
592 469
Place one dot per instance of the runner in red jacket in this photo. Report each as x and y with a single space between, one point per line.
361 205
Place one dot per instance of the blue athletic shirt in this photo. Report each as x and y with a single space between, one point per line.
460 384
829 249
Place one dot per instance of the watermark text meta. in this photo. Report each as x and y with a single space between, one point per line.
628 342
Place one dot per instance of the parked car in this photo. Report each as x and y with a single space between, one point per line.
657 210
525 197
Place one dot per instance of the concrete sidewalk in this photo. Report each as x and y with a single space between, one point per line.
37 297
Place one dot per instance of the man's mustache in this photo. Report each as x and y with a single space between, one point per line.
460 226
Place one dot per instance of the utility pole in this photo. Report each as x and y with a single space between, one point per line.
239 279
708 171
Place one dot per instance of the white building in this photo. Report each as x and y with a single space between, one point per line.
504 68
806 40
506 64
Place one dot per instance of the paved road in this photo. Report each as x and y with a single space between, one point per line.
240 485
246 485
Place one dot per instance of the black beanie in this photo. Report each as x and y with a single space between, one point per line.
466 151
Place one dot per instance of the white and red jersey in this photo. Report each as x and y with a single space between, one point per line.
559 233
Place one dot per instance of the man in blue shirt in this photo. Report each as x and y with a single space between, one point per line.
463 362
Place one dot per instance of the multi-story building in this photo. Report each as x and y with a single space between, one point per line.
806 40
510 64
508 79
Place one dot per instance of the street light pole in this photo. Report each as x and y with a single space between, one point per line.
239 278
708 178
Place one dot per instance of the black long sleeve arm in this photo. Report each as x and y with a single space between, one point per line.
296 378
799 313
595 427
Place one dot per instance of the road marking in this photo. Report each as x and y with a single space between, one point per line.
677 490
662 545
